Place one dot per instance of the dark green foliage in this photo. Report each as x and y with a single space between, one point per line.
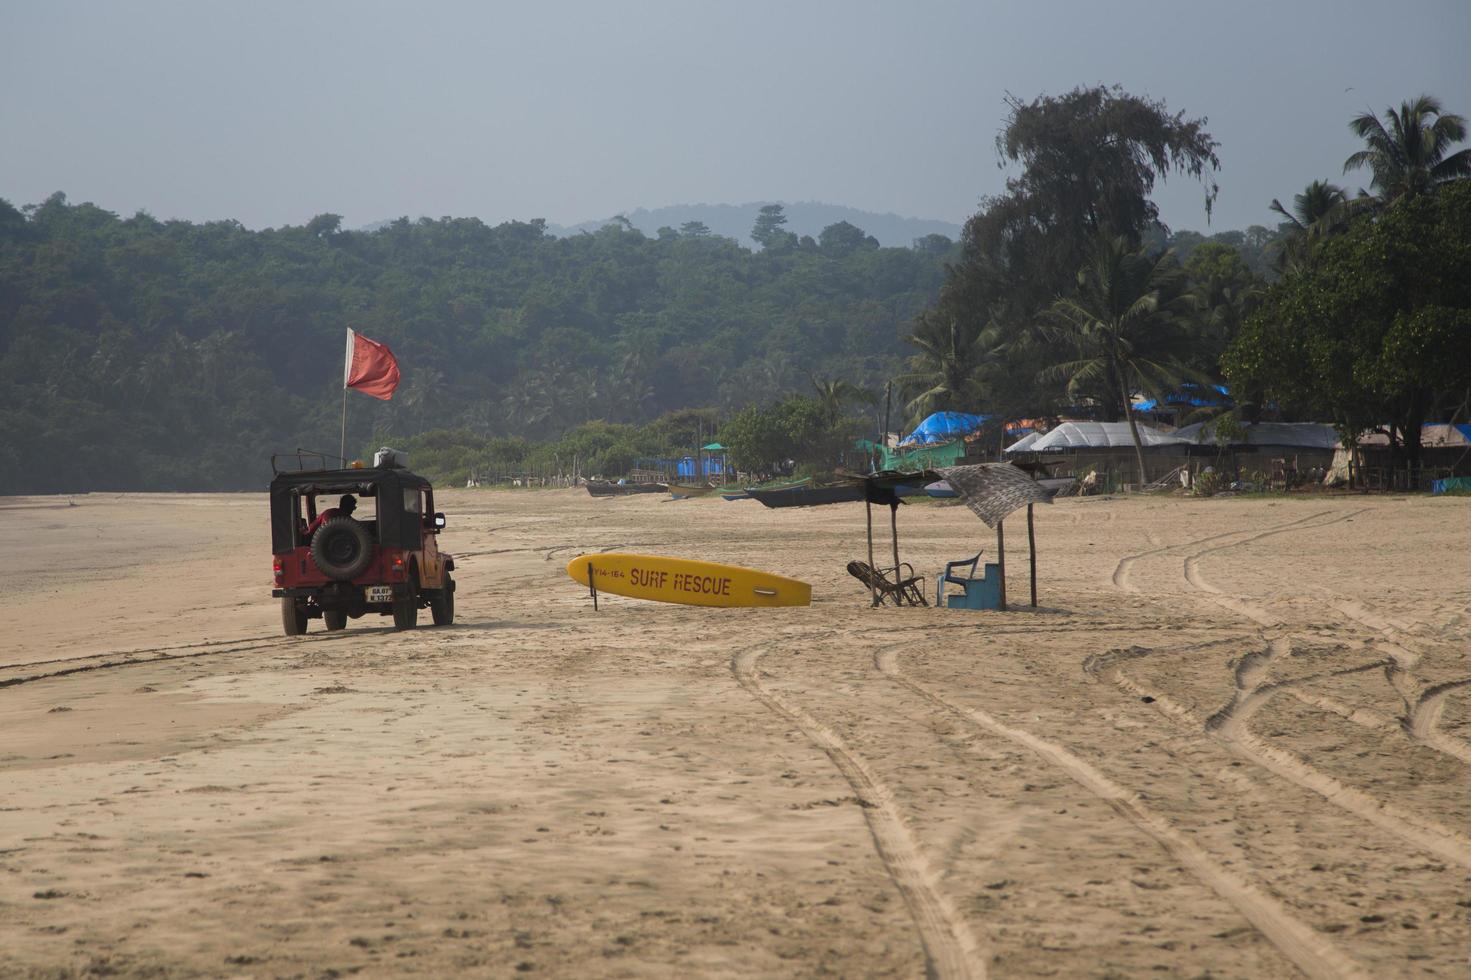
805 431
1089 160
1375 329
138 354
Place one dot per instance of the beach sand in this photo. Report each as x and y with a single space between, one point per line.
1232 741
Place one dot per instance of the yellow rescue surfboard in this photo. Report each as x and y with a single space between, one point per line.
686 581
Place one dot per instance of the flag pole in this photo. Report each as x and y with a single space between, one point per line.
343 450
346 375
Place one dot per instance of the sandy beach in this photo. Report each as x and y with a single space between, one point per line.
1233 740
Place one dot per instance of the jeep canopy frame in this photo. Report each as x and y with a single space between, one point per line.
398 527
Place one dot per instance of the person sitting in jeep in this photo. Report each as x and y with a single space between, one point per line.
344 508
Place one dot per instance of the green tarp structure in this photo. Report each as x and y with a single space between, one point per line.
923 458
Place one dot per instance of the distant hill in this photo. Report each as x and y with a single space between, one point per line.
803 218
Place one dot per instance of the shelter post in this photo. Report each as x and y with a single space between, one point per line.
894 533
1032 553
873 588
1001 559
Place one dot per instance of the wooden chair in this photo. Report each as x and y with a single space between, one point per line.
902 589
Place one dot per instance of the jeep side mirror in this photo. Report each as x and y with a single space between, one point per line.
439 522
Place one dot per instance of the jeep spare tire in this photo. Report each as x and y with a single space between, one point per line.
342 549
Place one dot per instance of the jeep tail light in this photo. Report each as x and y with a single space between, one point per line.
278 568
398 564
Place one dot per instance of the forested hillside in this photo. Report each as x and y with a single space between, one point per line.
138 354
803 218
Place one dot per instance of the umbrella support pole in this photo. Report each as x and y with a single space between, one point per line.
1001 559
1032 553
872 586
894 532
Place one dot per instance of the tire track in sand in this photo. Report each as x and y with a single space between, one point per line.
1310 952
1122 572
1423 705
1229 725
158 655
1426 835
951 949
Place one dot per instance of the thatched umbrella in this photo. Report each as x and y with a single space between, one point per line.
993 490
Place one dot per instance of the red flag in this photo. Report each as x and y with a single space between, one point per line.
371 367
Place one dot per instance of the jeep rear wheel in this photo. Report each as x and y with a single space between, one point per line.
293 616
442 603
342 549
335 619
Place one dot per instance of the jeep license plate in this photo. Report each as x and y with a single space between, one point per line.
380 593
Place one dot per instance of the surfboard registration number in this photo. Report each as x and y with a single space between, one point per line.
380 593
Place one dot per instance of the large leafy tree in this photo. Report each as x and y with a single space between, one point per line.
1089 160
1376 331
768 231
802 430
1126 328
1408 151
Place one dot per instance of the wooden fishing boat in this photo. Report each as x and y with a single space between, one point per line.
684 491
744 493
607 488
809 496
680 491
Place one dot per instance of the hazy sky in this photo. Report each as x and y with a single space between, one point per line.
271 112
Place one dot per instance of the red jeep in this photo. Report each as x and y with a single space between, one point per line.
383 559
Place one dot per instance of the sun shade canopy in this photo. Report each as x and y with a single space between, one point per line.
993 490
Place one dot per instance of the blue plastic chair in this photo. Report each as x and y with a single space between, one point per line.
983 592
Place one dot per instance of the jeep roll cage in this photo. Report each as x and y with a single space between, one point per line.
398 526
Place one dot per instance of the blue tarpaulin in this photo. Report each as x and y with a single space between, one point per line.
686 466
944 427
1191 394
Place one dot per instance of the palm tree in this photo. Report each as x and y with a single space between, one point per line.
1406 152
1321 210
1127 326
945 374
833 395
1315 209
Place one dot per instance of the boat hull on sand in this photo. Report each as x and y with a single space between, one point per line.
603 488
810 496
687 581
